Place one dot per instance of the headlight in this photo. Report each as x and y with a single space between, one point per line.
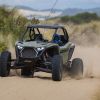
40 48
20 47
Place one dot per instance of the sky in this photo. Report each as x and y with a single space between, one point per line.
46 4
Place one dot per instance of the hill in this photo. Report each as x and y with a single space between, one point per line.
74 11
56 12
25 8
42 14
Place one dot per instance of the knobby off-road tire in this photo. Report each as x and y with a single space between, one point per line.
76 70
5 63
57 68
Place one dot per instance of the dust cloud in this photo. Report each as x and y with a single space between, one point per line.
91 59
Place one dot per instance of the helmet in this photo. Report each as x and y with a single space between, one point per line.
56 38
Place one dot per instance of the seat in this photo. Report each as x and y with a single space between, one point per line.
38 37
63 39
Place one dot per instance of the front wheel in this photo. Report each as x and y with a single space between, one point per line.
57 65
5 63
76 69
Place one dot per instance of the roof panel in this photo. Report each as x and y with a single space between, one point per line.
45 26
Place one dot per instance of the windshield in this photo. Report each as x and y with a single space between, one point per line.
46 34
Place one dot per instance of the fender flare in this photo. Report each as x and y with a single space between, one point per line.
70 52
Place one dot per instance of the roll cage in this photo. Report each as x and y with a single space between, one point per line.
35 30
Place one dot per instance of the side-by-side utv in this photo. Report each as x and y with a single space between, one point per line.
43 48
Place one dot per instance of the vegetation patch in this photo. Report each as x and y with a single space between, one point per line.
3 46
81 18
13 23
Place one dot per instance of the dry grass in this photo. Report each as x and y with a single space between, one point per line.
94 26
8 39
84 34
80 28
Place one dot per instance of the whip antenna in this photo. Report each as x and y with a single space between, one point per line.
51 11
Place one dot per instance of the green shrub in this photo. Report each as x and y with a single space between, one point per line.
80 18
3 46
13 23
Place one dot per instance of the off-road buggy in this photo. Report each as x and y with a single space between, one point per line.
34 53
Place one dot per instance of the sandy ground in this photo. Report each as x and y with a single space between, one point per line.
17 88
42 87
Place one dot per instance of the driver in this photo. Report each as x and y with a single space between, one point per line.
57 39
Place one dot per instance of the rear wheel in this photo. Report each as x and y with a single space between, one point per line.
76 69
57 66
5 63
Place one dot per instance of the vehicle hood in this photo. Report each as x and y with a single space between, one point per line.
35 44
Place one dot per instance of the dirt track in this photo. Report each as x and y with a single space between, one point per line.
43 88
16 88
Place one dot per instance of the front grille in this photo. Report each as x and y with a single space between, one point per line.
28 53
